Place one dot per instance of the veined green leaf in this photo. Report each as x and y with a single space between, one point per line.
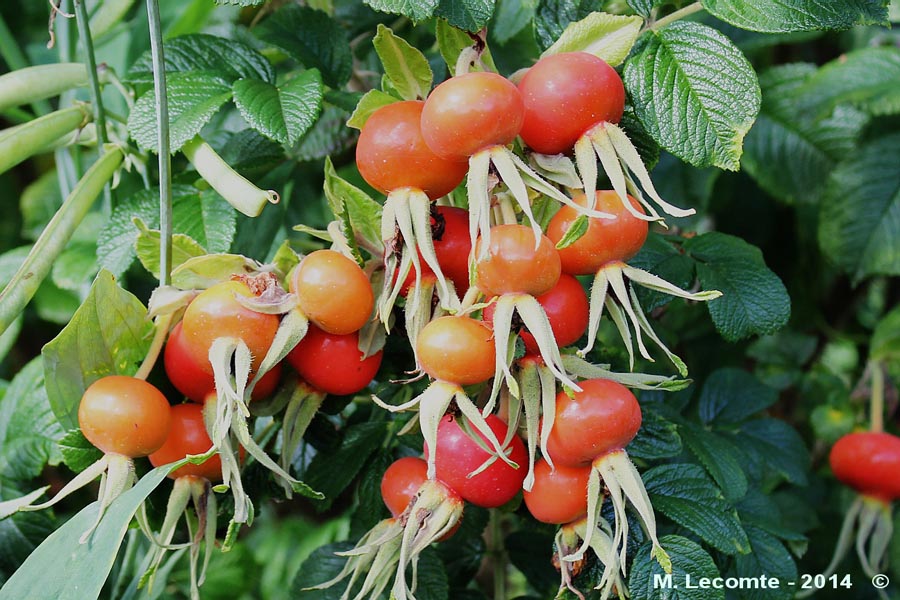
417 10
231 59
859 226
780 16
788 139
311 37
468 15
685 494
404 65
731 395
368 104
866 78
194 97
688 560
283 113
109 335
694 92
551 17
201 214
754 300
607 36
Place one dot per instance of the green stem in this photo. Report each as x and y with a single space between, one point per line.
161 324
15 59
68 160
84 32
876 402
162 134
676 16
23 285
498 554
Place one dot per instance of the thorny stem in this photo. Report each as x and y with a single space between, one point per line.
162 134
876 401
675 16
84 32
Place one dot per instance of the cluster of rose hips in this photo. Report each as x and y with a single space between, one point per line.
474 281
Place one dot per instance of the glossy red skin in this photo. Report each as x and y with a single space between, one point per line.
391 153
472 112
457 350
603 417
401 483
124 415
606 240
513 266
457 456
188 436
868 462
567 308
216 313
452 251
194 382
559 495
565 95
333 291
333 363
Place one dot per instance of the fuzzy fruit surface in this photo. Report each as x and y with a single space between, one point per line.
124 415
195 383
333 291
603 417
472 112
559 495
605 241
332 363
565 95
401 483
457 350
514 266
458 455
868 462
188 436
216 313
391 153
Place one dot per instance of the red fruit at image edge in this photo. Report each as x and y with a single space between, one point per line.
868 462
